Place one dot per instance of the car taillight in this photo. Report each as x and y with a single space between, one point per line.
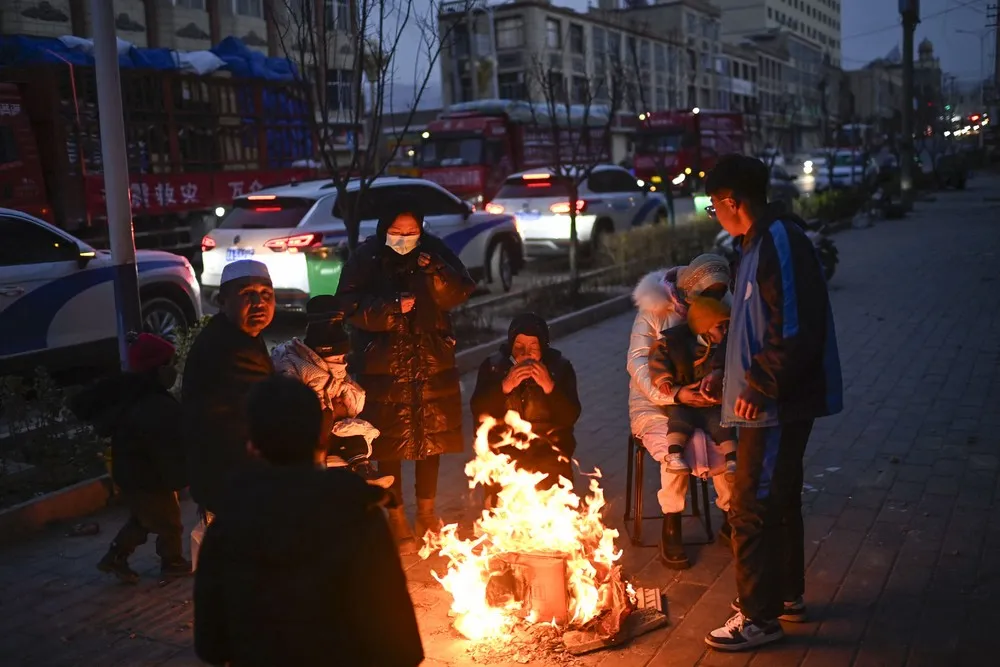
495 209
562 208
292 243
207 243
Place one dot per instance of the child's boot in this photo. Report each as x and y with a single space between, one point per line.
116 562
175 567
427 518
399 526
676 464
364 469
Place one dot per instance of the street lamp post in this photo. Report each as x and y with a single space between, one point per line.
116 179
909 10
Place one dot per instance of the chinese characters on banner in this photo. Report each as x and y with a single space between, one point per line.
153 194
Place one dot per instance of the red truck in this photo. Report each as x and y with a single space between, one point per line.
681 145
472 147
194 142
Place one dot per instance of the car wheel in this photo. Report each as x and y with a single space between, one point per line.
601 246
501 266
163 317
661 218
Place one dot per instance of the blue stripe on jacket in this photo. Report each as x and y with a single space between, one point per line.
789 299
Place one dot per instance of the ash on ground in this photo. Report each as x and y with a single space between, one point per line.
538 644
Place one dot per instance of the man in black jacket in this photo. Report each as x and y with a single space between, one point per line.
533 379
227 359
299 567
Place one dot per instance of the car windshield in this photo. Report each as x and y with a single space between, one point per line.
266 212
451 152
668 141
528 187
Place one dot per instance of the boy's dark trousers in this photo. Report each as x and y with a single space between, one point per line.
156 512
766 518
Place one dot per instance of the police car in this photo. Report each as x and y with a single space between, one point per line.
57 299
609 200
298 231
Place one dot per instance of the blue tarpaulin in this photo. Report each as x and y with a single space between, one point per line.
284 111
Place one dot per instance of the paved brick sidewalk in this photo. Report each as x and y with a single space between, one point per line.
902 545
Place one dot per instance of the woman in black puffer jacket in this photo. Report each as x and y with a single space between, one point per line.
398 287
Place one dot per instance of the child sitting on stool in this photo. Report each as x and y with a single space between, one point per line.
536 381
682 356
320 363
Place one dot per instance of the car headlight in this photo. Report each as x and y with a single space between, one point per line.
807 168
678 179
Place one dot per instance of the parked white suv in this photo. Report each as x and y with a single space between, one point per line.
298 231
57 298
610 200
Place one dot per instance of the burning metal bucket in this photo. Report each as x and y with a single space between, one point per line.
537 582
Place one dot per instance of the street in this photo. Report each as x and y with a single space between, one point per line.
901 495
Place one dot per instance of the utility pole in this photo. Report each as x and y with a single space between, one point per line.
909 10
994 16
116 180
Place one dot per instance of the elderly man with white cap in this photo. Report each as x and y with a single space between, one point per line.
227 359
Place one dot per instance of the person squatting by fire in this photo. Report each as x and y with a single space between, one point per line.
537 382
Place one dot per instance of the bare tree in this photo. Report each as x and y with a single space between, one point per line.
342 47
577 120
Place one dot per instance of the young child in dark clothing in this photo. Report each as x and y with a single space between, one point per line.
320 362
143 420
683 356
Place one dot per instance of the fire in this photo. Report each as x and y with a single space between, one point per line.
531 523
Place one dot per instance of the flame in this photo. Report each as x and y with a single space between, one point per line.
525 520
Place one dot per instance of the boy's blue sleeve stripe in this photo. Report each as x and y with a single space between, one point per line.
789 299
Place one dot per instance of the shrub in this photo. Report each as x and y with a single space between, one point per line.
642 249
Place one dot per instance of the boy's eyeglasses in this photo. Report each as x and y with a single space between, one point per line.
711 208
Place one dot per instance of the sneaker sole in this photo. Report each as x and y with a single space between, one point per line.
762 640
382 482
797 617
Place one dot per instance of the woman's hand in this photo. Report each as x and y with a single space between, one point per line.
515 376
540 374
691 396
711 384
423 260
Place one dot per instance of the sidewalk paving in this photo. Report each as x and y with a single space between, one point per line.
903 537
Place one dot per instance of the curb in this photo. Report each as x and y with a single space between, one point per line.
470 360
74 501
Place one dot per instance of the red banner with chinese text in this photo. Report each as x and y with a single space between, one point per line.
154 194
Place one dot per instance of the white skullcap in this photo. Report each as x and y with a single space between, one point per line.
245 268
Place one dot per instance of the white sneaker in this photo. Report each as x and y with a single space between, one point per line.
675 463
740 633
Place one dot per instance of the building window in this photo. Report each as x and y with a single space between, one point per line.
577 44
615 48
337 14
770 13
510 33
644 59
660 57
556 88
190 4
338 90
254 8
553 34
512 86
581 90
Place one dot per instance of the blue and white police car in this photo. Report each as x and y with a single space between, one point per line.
609 200
57 300
298 231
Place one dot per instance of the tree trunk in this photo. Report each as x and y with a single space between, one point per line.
574 246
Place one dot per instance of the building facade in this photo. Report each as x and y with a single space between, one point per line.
877 95
817 21
738 78
525 50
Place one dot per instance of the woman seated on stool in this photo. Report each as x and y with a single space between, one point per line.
662 300
529 377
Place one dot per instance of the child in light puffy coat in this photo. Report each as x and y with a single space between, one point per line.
320 362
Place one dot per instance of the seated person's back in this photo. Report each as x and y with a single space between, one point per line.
298 567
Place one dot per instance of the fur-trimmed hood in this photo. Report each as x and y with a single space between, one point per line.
658 290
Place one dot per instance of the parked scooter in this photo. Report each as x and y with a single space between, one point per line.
826 249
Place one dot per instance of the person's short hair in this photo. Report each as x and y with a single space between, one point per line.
743 177
285 419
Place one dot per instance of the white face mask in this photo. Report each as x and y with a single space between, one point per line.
402 244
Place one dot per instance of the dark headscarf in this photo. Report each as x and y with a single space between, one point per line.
528 324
